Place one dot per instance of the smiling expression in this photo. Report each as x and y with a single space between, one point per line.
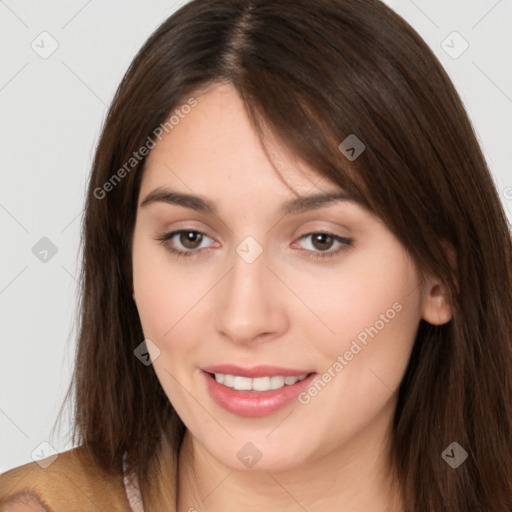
233 267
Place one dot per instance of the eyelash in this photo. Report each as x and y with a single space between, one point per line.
346 243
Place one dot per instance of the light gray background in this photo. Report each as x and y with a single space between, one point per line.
51 113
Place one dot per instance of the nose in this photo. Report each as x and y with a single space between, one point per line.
248 303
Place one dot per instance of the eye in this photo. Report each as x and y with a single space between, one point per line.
188 238
321 242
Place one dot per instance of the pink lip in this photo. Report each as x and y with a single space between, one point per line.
255 403
255 371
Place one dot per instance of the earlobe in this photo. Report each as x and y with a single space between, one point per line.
437 308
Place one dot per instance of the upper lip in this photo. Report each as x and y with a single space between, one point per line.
255 371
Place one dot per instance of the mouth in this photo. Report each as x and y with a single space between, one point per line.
257 384
255 392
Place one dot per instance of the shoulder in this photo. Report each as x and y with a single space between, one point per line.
72 482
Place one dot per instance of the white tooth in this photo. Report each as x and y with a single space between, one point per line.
276 382
229 381
261 384
257 384
242 383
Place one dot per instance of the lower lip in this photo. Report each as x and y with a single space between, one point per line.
254 403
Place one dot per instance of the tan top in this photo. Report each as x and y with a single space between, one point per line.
72 482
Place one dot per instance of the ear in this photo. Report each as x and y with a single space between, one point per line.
437 309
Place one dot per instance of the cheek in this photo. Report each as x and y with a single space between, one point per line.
374 295
167 299
152 287
372 310
375 332
161 298
375 319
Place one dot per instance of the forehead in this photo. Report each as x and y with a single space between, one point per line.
215 148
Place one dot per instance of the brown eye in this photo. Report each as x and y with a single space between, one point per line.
184 242
321 244
190 239
322 241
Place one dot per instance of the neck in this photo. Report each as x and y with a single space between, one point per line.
352 477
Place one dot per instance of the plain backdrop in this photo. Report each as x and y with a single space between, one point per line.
52 108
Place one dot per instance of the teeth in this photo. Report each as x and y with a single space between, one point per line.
261 384
229 380
257 384
276 382
243 383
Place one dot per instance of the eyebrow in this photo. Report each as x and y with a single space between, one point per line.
297 205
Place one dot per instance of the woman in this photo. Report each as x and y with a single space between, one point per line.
296 288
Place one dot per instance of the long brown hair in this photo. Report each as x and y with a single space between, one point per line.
313 73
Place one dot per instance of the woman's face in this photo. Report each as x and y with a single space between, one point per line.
259 293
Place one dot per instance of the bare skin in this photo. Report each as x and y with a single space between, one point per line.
285 309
